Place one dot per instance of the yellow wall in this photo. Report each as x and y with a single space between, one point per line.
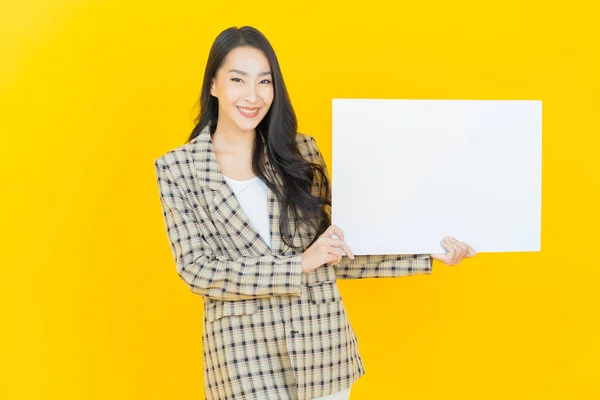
93 91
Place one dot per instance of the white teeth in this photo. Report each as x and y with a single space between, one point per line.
244 111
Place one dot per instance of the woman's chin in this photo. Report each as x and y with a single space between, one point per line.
247 125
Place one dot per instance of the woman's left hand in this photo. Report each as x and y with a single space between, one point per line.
457 250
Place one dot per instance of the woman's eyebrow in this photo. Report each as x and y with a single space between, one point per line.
246 74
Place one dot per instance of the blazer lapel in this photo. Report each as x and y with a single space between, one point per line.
224 204
273 205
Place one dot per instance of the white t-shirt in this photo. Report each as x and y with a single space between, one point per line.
252 196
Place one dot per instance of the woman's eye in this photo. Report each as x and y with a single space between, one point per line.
267 81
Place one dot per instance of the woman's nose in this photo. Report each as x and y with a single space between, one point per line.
251 94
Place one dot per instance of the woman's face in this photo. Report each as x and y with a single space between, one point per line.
244 89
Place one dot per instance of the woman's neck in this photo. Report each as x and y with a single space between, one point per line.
233 139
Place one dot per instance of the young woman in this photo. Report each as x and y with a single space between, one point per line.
246 203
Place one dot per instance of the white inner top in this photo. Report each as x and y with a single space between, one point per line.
252 196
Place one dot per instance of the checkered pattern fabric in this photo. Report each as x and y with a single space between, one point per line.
269 331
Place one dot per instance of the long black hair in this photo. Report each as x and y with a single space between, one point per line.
278 130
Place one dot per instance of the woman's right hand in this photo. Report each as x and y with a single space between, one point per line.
326 249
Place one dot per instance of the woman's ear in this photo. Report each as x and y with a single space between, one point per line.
212 88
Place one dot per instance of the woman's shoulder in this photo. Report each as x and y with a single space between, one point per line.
176 155
307 145
303 138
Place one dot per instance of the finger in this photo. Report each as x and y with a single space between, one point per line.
465 250
332 259
448 245
456 255
337 252
339 243
335 230
338 255
451 254
328 232
461 248
460 251
339 232
470 252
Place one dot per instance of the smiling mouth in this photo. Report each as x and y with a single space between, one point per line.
248 112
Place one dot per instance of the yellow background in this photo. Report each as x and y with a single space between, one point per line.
93 91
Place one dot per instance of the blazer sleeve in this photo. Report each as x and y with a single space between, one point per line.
371 266
215 276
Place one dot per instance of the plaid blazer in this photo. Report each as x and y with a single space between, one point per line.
269 330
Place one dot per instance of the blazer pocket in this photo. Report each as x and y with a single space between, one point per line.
324 292
219 309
